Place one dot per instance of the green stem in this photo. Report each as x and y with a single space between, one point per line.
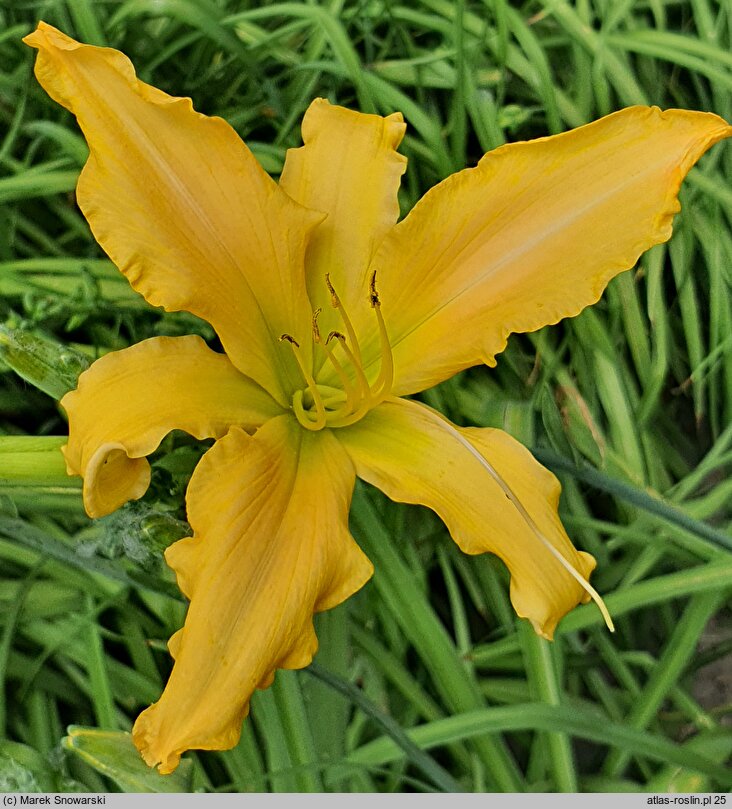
545 685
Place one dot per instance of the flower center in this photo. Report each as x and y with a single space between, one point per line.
317 406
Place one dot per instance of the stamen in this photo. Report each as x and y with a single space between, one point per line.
348 387
316 329
297 404
355 397
336 304
373 294
385 379
289 339
363 383
342 375
529 520
365 402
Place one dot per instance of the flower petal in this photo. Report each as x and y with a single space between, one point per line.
349 169
183 208
414 455
531 235
271 546
129 400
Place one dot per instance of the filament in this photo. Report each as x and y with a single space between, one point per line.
336 304
348 388
339 369
363 383
385 378
297 403
339 407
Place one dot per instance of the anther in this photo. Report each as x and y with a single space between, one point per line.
373 294
335 301
289 339
385 380
316 330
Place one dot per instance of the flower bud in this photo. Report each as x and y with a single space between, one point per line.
46 364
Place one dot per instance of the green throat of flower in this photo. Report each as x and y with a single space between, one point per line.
317 406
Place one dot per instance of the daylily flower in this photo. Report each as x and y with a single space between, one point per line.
330 312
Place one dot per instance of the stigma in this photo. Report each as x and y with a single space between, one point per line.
317 406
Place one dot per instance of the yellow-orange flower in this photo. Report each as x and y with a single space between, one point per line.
329 311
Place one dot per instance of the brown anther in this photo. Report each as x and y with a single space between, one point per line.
289 339
334 299
335 335
373 294
316 330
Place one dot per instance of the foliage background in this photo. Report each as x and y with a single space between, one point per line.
629 403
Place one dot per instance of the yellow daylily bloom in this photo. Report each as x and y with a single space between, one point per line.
329 310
